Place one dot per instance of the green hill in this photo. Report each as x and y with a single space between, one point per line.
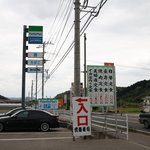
134 93
127 96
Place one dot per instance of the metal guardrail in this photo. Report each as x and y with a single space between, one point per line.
108 122
113 122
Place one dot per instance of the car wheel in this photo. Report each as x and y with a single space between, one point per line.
1 127
44 127
146 125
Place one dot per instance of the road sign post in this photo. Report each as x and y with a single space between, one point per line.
25 30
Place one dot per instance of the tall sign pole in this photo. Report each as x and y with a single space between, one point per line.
77 49
25 30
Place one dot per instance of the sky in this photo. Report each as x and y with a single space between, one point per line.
119 34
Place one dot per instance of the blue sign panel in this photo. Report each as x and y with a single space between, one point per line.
35 35
48 104
35 40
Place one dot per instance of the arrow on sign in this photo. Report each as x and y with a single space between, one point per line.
81 100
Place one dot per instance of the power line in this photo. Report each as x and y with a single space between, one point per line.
90 18
62 31
57 13
57 27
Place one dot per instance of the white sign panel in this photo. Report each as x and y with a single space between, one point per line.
101 85
48 104
35 55
35 62
35 69
81 116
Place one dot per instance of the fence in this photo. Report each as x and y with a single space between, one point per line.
116 123
111 123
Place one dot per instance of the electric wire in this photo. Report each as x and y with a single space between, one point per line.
61 33
58 26
57 13
81 32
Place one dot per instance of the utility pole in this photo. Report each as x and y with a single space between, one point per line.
43 71
32 90
85 64
25 30
77 49
36 83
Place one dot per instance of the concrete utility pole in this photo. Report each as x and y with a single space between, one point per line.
77 49
43 71
36 83
85 64
32 90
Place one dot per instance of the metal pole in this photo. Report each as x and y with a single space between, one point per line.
32 90
36 84
24 65
116 118
43 72
85 64
77 49
127 134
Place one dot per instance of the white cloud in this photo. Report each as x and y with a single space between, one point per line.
120 34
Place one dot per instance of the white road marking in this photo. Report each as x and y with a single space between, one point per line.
39 133
34 139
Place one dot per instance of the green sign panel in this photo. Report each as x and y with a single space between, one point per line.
36 28
35 35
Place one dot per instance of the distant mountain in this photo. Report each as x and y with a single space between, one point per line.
134 93
125 95
3 99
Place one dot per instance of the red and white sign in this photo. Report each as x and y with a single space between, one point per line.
81 116
101 85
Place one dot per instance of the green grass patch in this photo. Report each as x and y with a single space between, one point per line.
129 110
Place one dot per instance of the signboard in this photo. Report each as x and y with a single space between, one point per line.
35 35
35 62
101 85
34 69
35 55
48 104
81 116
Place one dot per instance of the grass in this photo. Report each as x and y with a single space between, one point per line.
129 110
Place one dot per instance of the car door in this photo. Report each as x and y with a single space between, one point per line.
18 121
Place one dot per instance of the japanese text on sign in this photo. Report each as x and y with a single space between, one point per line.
101 85
81 116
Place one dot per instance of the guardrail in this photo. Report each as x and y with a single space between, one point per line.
108 122
112 122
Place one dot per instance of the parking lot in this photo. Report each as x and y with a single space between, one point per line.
61 139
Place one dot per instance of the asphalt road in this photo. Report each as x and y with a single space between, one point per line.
61 139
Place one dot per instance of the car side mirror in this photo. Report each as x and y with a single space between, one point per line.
15 117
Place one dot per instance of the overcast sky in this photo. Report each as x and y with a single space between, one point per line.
120 34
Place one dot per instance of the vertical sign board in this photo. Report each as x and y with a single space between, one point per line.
81 116
35 35
101 85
